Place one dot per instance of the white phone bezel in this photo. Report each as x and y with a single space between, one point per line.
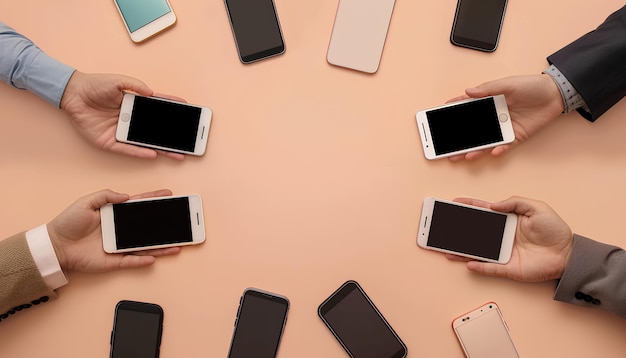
474 314
107 223
504 119
151 28
125 119
508 236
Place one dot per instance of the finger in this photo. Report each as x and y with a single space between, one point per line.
490 88
515 204
103 197
170 97
134 261
473 202
487 268
135 85
159 252
152 194
499 150
456 158
133 151
172 155
458 98
474 155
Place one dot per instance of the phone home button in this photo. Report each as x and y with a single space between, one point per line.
503 117
125 117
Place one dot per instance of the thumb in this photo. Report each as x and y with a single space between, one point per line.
103 197
490 88
135 85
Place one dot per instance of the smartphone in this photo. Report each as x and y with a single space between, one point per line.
482 332
137 329
477 24
259 325
358 325
163 124
256 29
145 18
466 230
359 34
152 223
465 126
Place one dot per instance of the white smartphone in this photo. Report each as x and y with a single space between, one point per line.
359 34
466 230
152 223
482 332
145 18
163 124
465 126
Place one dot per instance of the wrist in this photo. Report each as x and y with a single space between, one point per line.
553 92
57 245
71 89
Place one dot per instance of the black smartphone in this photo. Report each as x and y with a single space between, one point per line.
137 329
259 325
358 325
256 29
477 24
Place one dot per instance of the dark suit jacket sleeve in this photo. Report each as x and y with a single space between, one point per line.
21 284
595 65
595 276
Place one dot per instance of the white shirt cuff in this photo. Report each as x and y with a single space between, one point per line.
45 257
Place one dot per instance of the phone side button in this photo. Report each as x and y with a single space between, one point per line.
503 117
111 340
125 117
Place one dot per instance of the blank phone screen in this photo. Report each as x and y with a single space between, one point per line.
486 336
139 13
136 334
478 22
256 28
464 126
259 326
165 124
359 326
150 223
466 230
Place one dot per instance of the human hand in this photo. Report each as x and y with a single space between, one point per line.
533 101
93 102
543 242
76 236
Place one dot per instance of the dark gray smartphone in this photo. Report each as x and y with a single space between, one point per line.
358 325
256 29
259 325
477 24
137 329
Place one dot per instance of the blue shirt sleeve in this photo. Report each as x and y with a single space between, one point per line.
23 65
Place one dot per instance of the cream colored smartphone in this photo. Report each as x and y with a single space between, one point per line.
465 230
359 34
152 223
465 126
145 18
482 332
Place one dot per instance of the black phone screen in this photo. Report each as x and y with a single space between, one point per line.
359 326
464 126
477 23
153 222
259 325
466 230
256 28
165 124
136 330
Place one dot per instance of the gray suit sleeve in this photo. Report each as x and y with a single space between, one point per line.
595 276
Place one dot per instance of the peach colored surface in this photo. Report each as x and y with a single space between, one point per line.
313 175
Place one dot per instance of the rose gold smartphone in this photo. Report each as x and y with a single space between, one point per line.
482 332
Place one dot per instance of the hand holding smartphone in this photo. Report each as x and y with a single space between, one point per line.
145 18
261 319
358 325
152 223
465 230
465 126
163 124
482 332
137 329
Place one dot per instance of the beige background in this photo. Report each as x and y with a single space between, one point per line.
313 175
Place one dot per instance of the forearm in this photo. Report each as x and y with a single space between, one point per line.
595 276
595 64
23 65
